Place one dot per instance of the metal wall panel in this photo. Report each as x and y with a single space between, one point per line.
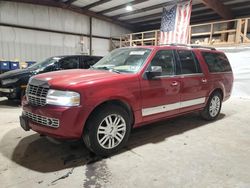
27 44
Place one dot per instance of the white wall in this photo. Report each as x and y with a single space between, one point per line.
25 44
239 58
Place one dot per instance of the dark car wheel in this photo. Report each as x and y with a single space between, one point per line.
213 107
107 130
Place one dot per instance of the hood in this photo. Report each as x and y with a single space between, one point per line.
14 73
67 78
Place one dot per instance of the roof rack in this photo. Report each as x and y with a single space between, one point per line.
189 46
205 47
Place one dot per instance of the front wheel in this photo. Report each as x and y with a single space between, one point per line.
213 107
107 130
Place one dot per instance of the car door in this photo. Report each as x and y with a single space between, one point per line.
69 63
161 95
194 86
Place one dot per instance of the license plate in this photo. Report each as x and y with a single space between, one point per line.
24 123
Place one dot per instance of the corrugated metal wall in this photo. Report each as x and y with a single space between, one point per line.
26 44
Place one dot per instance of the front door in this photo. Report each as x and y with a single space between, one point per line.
161 95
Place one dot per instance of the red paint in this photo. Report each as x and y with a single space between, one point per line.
98 86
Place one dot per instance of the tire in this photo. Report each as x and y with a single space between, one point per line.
213 107
107 130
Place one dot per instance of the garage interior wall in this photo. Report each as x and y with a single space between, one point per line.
239 58
27 44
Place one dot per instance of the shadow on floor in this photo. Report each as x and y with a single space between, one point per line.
39 154
5 103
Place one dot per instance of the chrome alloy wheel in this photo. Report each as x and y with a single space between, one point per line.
214 107
111 131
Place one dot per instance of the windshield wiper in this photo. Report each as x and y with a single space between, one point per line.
107 68
116 71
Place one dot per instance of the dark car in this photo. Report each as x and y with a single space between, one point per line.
13 83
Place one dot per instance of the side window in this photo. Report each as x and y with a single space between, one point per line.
86 62
216 62
69 63
188 62
165 59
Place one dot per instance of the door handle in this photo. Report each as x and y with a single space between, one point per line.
174 83
204 80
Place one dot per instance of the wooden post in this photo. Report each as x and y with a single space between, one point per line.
130 39
142 39
211 33
156 38
189 34
245 30
238 31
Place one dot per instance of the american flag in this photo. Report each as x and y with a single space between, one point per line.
175 22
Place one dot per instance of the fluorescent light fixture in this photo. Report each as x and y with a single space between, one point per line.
129 8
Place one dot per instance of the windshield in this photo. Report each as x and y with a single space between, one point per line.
124 60
45 63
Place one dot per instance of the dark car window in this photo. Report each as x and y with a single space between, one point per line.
165 59
216 62
86 62
188 62
69 63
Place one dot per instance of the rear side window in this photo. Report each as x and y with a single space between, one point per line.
188 62
69 63
216 62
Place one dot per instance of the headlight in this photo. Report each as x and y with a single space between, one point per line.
9 81
63 98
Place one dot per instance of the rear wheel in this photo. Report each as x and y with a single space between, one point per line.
107 130
213 107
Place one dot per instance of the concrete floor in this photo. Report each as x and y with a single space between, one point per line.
181 152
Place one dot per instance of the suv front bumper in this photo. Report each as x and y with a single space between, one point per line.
9 92
54 121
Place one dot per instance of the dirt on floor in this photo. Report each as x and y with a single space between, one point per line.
182 152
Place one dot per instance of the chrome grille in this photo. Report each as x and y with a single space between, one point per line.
37 95
50 122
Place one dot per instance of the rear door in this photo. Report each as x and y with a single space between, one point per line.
161 95
194 86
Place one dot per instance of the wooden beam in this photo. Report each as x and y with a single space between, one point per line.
95 4
74 9
219 8
121 6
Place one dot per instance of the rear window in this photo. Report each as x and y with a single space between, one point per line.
216 62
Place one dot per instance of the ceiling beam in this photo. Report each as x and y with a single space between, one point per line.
74 9
95 4
219 8
152 8
70 1
121 6
142 18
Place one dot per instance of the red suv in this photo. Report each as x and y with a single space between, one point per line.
128 88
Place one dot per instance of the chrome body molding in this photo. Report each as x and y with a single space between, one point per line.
174 106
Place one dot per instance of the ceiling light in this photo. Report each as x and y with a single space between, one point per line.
129 8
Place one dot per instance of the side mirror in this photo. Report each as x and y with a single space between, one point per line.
154 72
